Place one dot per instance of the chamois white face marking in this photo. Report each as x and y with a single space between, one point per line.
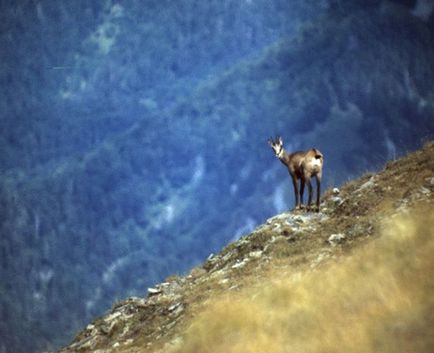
277 147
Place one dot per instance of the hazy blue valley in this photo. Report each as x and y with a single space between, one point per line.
133 134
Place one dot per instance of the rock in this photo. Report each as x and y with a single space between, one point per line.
240 264
170 289
336 191
279 217
298 219
218 274
136 301
255 254
112 316
322 216
295 221
370 183
154 291
210 262
336 238
277 227
174 306
126 328
107 327
176 309
337 200
86 343
305 221
271 246
242 242
228 256
424 190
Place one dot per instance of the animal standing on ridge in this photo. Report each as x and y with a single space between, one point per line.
302 165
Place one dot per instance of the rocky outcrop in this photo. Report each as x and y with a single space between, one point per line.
297 240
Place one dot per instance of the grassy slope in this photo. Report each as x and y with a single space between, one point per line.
285 285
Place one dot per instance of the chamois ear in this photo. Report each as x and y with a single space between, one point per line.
280 140
270 141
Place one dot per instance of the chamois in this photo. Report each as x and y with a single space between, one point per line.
302 165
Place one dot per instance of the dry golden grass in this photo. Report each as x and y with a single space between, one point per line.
381 299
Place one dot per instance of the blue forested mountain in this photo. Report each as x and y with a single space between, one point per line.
134 134
91 69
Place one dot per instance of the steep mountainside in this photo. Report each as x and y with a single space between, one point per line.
366 257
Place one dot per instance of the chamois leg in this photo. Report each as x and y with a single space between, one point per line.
318 191
295 183
302 182
309 200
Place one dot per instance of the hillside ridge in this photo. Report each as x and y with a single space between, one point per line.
291 241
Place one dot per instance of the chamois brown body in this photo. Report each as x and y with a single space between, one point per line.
302 166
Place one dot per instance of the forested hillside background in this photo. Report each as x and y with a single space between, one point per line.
133 133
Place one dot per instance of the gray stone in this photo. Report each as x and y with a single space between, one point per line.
240 264
298 219
255 254
279 217
337 200
112 316
336 238
370 183
424 190
277 227
154 291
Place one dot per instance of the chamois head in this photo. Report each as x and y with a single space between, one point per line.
276 145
